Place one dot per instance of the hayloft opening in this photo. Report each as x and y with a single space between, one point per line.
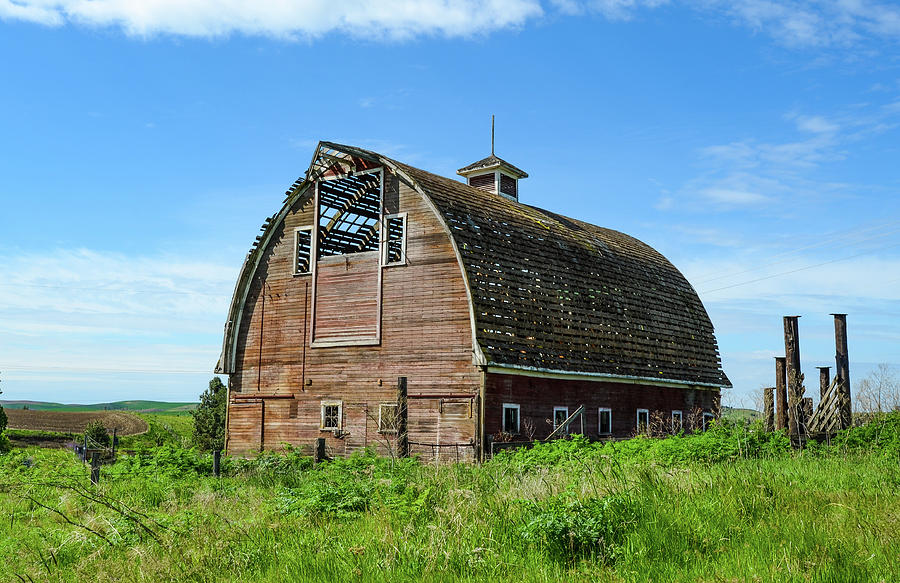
349 212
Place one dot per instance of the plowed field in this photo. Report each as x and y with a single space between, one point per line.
75 422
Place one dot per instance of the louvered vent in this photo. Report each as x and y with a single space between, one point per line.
483 182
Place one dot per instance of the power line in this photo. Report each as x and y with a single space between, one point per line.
798 269
825 243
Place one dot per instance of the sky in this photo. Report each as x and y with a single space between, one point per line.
142 144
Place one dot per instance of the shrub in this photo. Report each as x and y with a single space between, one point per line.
568 528
96 433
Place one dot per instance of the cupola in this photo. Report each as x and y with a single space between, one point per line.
494 174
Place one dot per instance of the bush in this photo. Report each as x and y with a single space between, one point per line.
568 528
96 434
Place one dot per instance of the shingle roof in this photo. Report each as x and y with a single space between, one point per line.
493 162
555 293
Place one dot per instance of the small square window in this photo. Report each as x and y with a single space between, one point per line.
510 418
643 420
707 419
387 418
331 415
395 240
560 414
677 421
302 250
605 421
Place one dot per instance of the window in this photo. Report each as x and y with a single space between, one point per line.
331 415
394 240
643 420
302 250
510 418
349 212
387 418
560 414
707 419
605 421
677 423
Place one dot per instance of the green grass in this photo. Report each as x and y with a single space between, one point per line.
728 505
144 406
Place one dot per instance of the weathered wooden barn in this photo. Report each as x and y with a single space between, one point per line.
504 318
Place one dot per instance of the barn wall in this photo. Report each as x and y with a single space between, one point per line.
425 336
537 397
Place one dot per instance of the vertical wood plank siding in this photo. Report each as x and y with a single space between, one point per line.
536 398
426 336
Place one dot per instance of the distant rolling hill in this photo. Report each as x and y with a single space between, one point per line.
137 406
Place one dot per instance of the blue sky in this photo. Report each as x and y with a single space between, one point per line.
753 143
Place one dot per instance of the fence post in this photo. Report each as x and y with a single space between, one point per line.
115 441
781 417
402 419
217 457
769 408
319 450
95 467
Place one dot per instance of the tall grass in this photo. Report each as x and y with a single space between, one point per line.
729 505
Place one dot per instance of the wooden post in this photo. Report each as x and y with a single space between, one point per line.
95 467
794 376
769 408
217 458
115 441
806 413
824 379
402 419
319 450
842 368
781 418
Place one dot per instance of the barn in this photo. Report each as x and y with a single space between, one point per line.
504 321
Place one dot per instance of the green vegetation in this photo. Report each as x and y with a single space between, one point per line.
139 406
95 434
4 440
728 505
209 417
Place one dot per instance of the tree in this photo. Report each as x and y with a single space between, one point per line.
96 433
879 391
209 416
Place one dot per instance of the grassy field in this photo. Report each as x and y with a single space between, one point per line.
728 505
138 406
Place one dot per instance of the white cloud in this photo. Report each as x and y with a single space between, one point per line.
393 19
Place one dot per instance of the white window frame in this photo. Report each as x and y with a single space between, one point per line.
555 409
707 415
518 418
600 412
312 249
680 415
381 406
637 420
384 240
340 415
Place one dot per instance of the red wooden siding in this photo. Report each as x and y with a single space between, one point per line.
347 297
425 336
537 397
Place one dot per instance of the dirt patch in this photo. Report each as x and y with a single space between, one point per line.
75 422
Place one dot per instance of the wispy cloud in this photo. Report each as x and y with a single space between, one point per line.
68 310
297 19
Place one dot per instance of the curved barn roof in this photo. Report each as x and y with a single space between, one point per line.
555 294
